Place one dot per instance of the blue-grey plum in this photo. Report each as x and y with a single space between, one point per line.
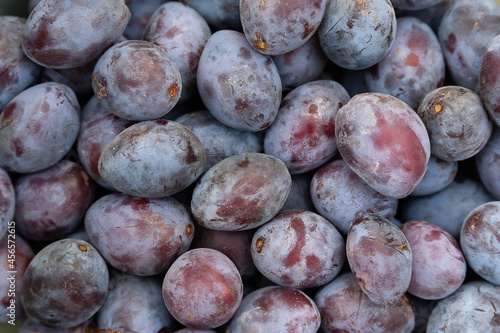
220 14
489 79
438 175
488 166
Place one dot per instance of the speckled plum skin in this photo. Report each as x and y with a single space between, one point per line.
23 256
134 304
384 142
457 123
380 258
472 308
303 133
220 14
65 34
301 65
414 65
220 141
275 309
298 249
139 236
137 80
441 208
464 33
52 202
480 241
344 307
183 33
241 192
357 34
438 266
339 195
439 174
277 27
153 159
18 72
65 284
202 289
98 128
487 164
238 85
489 79
7 201
38 127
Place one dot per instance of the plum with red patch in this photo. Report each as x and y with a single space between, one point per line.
182 32
140 13
62 34
480 240
238 85
413 67
489 79
38 127
303 133
298 249
278 27
274 309
344 307
473 308
65 284
17 72
487 164
137 80
153 159
339 195
202 289
140 236
357 34
380 258
438 266
51 203
384 142
241 192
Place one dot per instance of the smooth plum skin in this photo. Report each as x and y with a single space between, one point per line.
472 308
139 236
441 208
274 309
38 127
438 266
239 86
280 26
303 133
220 141
242 192
489 80
457 123
183 33
51 203
153 159
488 166
380 258
298 249
17 71
384 141
140 13
23 256
438 175
134 304
98 128
480 240
79 79
464 33
7 201
65 284
357 34
220 14
301 65
137 80
413 67
344 307
62 34
202 289
339 195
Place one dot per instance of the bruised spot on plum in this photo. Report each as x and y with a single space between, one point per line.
451 43
18 146
6 301
137 204
293 257
101 85
9 110
173 91
191 155
312 262
308 29
433 235
193 59
259 244
313 109
244 53
244 164
161 122
412 60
